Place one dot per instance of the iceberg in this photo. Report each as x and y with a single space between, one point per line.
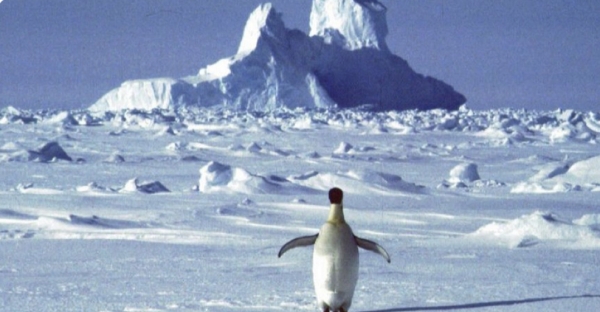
343 63
353 24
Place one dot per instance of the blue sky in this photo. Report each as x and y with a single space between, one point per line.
510 53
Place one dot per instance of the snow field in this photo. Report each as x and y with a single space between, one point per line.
173 211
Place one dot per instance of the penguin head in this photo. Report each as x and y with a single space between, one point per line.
336 195
336 212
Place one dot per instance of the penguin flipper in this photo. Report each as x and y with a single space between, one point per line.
372 246
298 242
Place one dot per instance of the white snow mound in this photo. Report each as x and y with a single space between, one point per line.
216 177
585 172
582 175
464 173
529 230
358 182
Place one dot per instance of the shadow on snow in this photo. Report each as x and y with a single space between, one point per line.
478 305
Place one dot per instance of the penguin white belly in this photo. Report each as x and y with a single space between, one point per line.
335 266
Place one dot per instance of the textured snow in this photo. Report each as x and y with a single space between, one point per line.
219 191
343 63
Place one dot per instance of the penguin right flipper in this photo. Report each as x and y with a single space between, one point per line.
372 246
298 242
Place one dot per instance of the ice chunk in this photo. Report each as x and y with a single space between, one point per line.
464 173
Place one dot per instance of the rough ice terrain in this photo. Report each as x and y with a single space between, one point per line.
185 210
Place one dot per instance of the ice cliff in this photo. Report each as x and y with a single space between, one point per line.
353 24
344 62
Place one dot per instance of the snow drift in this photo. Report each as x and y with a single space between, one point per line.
358 182
344 62
216 177
529 230
560 178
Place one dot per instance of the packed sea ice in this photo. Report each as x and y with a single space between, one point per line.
184 210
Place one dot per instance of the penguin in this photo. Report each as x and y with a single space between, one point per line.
335 257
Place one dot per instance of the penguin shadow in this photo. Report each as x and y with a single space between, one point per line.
478 305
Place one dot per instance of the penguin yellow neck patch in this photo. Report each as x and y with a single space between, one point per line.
336 214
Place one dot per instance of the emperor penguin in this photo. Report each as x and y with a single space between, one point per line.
335 257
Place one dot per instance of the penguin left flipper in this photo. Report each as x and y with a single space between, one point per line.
372 246
298 242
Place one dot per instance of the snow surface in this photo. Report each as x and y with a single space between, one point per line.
185 210
343 63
